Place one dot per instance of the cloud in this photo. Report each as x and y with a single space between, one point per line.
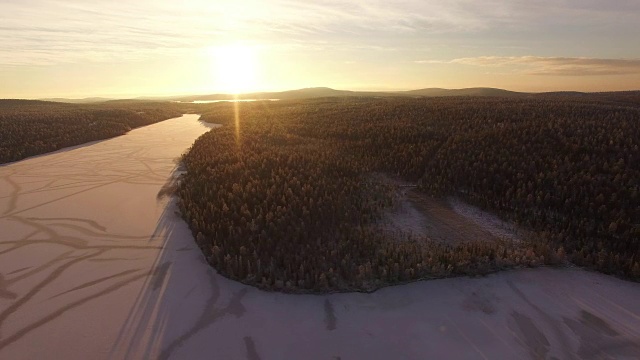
559 66
70 31
40 32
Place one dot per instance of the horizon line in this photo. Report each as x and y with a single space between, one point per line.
168 96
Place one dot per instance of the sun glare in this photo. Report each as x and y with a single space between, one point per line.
236 67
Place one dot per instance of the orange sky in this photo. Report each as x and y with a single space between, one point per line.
101 48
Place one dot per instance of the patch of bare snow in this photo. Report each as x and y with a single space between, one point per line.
405 218
487 221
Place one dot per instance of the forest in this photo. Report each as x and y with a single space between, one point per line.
30 127
282 197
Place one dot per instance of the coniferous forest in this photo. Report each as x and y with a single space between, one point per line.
282 197
30 127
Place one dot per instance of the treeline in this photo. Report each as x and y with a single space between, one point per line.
35 127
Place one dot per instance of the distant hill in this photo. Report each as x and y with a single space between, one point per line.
31 105
434 92
322 92
306 93
17 102
562 93
622 98
318 92
78 101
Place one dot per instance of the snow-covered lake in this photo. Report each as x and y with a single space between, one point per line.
94 265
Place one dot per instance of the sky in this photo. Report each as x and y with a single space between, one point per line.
66 48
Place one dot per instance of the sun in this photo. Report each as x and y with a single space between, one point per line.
236 68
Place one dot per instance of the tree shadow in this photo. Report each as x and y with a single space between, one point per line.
180 296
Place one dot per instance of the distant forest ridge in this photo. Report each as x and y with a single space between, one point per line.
32 127
320 92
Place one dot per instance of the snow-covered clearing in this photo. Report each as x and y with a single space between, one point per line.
451 221
487 221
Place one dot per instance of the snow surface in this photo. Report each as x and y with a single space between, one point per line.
485 220
95 265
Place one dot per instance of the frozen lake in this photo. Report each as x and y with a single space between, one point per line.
95 265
